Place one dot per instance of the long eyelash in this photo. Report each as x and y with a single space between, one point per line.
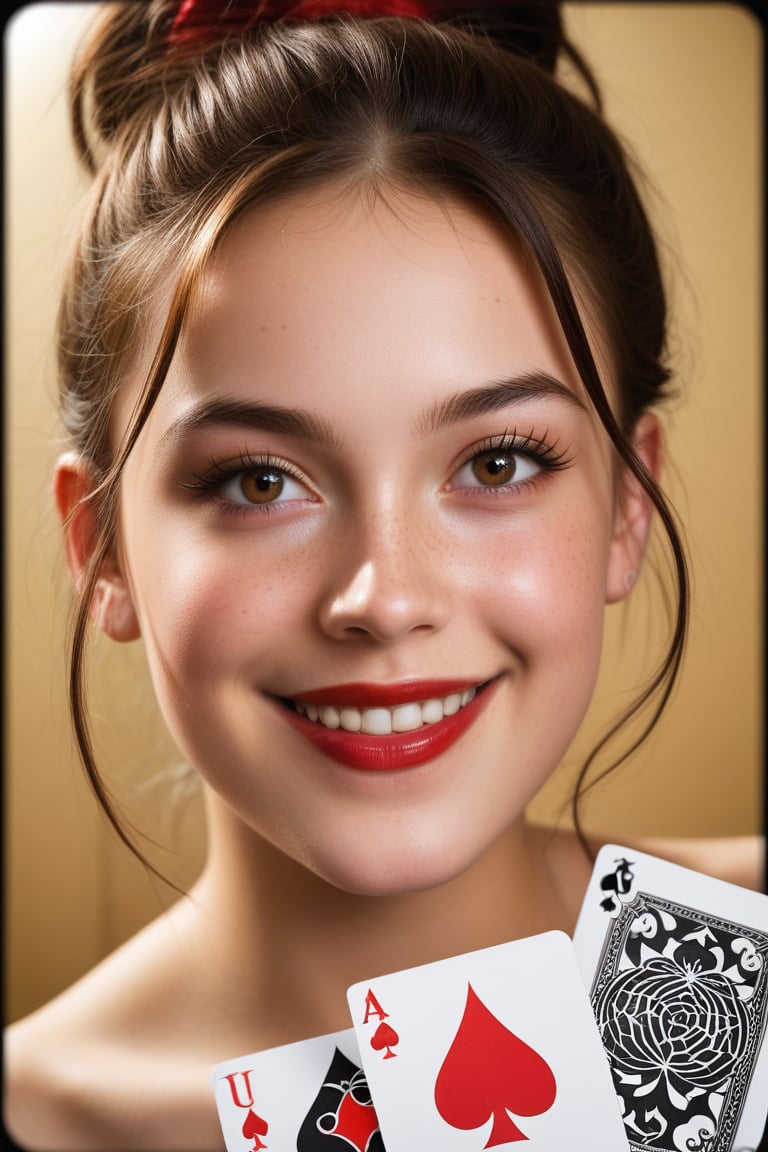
220 472
538 447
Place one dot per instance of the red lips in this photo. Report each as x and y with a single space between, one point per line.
385 695
400 749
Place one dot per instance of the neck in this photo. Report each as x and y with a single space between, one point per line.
287 944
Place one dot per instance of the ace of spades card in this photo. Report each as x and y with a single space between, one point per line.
677 967
487 1050
310 1096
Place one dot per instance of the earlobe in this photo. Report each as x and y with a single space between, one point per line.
111 606
633 512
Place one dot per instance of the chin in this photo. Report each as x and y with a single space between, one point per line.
393 869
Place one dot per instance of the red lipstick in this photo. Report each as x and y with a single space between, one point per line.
384 695
400 749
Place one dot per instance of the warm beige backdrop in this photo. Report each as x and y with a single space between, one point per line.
683 83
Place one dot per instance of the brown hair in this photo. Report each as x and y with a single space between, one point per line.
180 141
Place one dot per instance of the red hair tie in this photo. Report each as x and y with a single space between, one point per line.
203 21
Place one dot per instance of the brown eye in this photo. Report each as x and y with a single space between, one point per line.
494 468
261 486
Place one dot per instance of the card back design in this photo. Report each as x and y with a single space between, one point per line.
680 1000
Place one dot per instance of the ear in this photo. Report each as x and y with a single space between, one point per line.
112 605
633 512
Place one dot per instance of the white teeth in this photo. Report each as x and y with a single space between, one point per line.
406 718
376 722
351 720
329 716
432 711
384 721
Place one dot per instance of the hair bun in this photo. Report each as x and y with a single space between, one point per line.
201 22
531 30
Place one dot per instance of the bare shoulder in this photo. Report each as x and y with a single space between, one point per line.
736 859
49 1100
85 1094
105 1065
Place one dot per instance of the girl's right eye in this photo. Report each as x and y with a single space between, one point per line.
246 483
262 486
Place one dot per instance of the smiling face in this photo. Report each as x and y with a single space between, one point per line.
368 532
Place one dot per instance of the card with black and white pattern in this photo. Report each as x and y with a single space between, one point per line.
676 965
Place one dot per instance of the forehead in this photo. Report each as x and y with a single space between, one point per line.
338 280
375 307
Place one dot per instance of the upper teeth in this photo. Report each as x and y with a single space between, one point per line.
384 721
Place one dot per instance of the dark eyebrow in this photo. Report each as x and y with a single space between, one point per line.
306 425
491 397
266 417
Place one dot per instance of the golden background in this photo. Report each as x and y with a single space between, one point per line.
683 85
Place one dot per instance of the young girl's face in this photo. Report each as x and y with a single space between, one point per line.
372 481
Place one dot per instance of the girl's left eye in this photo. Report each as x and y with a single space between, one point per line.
496 468
262 485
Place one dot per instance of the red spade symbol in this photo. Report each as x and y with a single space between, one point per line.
385 1037
253 1128
488 1071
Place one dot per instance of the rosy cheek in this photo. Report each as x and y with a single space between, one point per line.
217 607
544 593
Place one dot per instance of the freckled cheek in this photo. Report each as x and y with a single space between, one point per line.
208 607
544 587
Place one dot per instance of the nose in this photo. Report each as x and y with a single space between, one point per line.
385 587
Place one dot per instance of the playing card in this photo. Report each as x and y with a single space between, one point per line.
487 1049
677 968
310 1096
